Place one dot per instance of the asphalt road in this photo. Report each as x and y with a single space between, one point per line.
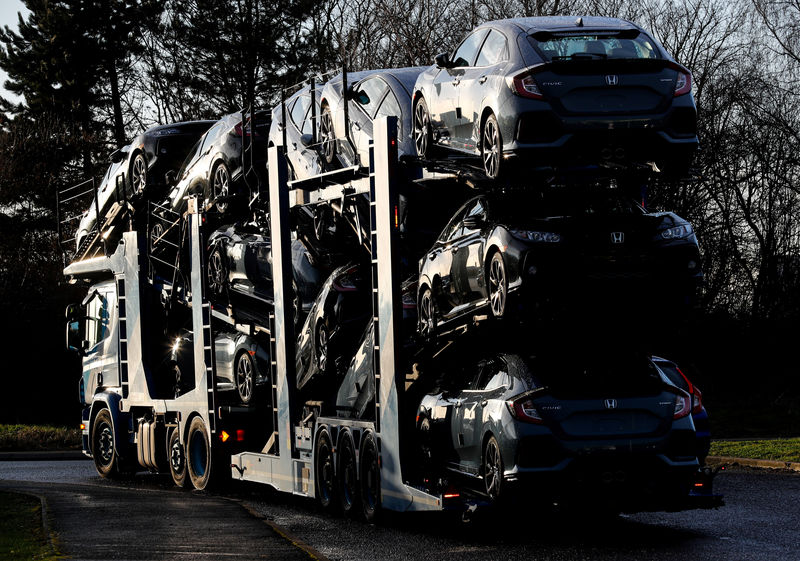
760 521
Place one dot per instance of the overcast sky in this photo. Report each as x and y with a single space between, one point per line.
8 17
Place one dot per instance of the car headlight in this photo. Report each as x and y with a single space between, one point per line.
536 236
682 231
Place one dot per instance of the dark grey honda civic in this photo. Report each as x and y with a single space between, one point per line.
558 91
551 427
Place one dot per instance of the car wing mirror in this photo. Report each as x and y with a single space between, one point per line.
307 140
171 177
442 60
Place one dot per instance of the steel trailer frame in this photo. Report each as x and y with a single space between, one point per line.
287 462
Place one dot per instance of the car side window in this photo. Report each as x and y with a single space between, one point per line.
465 55
209 138
299 110
390 107
493 50
453 226
490 376
477 208
374 88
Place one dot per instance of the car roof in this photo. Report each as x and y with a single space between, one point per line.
564 23
406 76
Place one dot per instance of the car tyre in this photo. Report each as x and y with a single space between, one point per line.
221 187
347 476
138 175
493 470
492 148
427 314
325 476
104 449
327 136
497 285
370 481
423 130
177 459
245 377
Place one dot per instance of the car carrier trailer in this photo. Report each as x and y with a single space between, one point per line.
131 422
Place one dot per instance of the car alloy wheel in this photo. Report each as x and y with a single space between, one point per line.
221 187
427 314
493 469
244 377
322 347
422 129
327 135
216 272
491 148
498 285
138 175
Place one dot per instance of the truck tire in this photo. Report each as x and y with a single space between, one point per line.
198 454
324 473
347 476
370 481
177 459
104 448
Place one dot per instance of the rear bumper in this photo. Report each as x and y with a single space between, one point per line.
544 137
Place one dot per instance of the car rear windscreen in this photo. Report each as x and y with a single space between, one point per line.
603 46
576 375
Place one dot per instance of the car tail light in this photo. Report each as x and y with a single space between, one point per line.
347 281
238 130
683 406
525 85
683 84
697 395
523 409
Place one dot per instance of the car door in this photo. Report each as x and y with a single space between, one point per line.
224 348
363 107
466 271
448 297
304 159
445 113
488 379
475 87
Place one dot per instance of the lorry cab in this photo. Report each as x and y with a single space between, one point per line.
92 332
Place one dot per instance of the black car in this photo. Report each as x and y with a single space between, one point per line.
609 429
558 91
330 334
141 168
240 272
555 242
213 168
702 424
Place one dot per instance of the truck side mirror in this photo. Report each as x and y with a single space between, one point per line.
75 341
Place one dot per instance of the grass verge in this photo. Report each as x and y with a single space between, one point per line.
33 437
21 533
783 449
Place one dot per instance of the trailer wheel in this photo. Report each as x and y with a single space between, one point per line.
370 482
177 459
323 471
347 476
198 454
104 450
